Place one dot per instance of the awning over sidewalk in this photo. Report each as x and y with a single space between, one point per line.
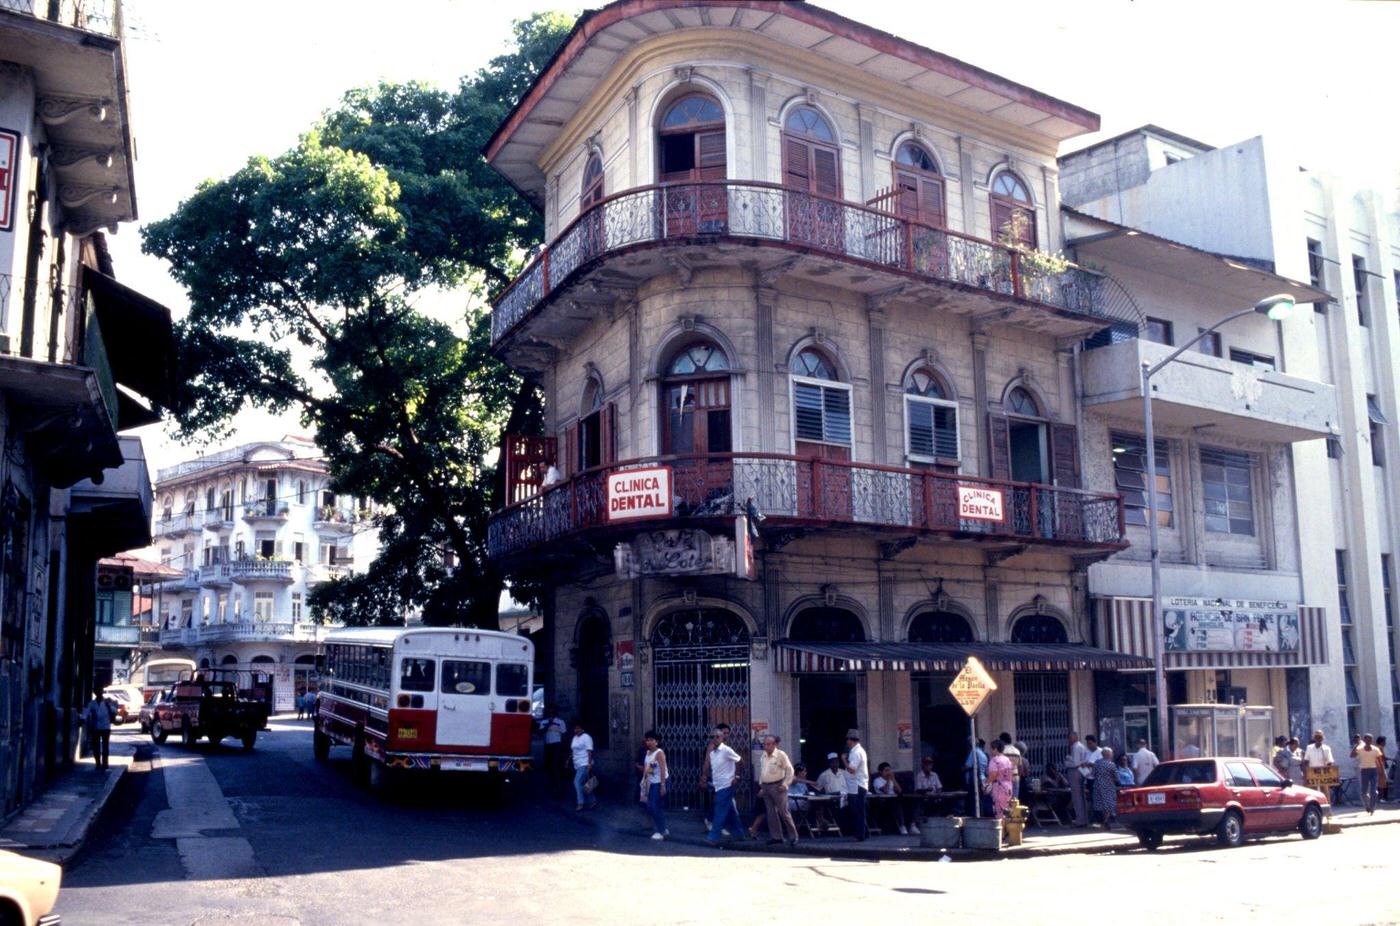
793 656
1126 625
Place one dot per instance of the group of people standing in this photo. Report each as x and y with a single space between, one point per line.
1094 775
1362 769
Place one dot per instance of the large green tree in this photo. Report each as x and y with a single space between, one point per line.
306 273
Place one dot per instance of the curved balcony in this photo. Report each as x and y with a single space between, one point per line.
802 492
215 575
330 520
264 511
889 250
176 525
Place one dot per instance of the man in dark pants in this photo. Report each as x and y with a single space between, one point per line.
857 783
99 714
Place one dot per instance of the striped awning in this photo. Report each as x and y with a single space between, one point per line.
1125 626
793 656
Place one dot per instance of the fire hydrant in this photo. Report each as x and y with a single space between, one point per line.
1015 822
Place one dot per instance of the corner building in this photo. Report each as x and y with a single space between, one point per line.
774 277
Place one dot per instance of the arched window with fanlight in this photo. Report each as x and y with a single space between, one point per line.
591 441
695 401
821 407
919 185
930 419
690 140
592 191
1013 211
811 153
1028 447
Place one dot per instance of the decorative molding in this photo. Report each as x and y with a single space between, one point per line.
769 277
810 96
686 74
878 302
62 155
74 195
685 270
58 110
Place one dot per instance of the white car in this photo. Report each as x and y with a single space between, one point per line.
129 699
28 889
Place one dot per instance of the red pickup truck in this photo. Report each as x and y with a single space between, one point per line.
204 707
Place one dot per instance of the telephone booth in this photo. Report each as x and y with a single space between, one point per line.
1222 730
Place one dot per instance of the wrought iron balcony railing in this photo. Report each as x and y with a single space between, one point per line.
265 508
773 214
802 491
100 16
251 570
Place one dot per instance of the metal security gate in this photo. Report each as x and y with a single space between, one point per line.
1043 717
700 665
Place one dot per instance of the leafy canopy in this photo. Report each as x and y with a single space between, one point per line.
305 272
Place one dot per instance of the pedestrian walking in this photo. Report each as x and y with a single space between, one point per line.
654 776
310 701
1384 779
857 768
1144 761
707 792
552 729
1105 786
1013 755
301 706
774 776
1369 761
723 768
581 758
999 779
1075 763
98 715
974 773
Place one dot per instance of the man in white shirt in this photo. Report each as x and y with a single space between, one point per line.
581 757
857 768
552 728
833 780
1074 766
723 767
1318 755
1143 761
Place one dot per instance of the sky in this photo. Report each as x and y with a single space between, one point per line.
213 84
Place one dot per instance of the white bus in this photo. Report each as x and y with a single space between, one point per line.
161 672
428 699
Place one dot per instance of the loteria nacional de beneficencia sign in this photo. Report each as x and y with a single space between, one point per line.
976 503
639 493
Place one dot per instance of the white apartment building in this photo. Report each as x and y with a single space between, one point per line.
1309 404
254 529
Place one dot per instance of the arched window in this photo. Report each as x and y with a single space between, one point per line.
829 625
930 417
821 407
262 660
591 427
229 660
690 140
1023 436
695 401
940 627
204 663
1038 628
811 157
1019 401
919 186
592 182
1013 211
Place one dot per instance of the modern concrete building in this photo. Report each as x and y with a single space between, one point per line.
81 359
811 386
253 529
1306 407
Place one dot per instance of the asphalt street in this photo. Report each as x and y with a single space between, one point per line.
210 836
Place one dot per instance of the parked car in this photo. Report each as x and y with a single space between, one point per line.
148 709
1231 798
129 699
28 890
200 707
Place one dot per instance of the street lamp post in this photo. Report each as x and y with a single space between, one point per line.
1276 308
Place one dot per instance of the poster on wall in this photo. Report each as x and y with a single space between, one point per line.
9 157
904 735
626 662
1230 625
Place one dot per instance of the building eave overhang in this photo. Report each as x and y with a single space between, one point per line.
800 25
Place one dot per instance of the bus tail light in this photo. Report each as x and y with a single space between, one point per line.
403 700
417 701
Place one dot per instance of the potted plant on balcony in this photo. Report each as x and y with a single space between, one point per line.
1039 270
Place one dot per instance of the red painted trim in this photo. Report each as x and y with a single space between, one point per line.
595 21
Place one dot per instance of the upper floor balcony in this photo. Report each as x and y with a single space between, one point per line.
118 635
806 493
177 525
215 575
1201 391
332 520
218 520
265 511
255 631
634 235
262 570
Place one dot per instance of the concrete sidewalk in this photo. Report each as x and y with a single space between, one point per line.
59 819
687 828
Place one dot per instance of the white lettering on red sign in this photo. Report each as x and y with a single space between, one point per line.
639 493
9 154
978 504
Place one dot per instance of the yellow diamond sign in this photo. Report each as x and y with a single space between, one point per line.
972 686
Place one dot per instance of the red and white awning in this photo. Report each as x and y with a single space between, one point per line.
1125 626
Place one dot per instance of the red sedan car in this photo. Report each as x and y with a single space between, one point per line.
1232 798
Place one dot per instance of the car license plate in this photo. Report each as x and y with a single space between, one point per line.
1158 798
463 765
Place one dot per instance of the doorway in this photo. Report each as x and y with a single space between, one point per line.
594 657
827 708
1028 452
943 728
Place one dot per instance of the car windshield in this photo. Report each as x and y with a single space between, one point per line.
1182 773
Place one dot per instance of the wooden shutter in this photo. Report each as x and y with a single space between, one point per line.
709 155
570 463
1064 455
826 175
607 433
797 168
908 187
931 202
1001 218
999 449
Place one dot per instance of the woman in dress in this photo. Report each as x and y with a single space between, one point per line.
998 783
1105 792
654 775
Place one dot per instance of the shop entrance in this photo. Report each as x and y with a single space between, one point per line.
594 657
943 729
827 705
1042 698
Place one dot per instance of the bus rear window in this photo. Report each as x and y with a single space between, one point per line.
416 675
460 677
512 680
